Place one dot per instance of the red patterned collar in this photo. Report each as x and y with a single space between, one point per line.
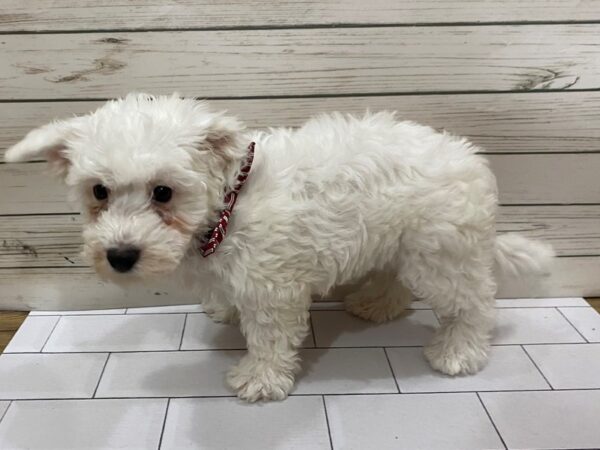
215 236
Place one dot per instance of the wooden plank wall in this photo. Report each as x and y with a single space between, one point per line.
521 79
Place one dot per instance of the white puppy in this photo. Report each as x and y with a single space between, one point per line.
340 200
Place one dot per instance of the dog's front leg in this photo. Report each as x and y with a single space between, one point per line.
274 329
219 308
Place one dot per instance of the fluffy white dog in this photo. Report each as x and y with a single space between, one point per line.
341 200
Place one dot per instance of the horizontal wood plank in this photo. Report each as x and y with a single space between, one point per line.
79 288
301 61
10 321
573 230
28 189
547 178
49 15
509 122
73 289
40 241
570 277
55 240
522 179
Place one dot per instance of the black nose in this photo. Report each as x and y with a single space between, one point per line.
122 259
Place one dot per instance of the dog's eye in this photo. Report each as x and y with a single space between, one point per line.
162 194
100 192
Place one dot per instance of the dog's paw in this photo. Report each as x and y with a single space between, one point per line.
456 360
258 380
377 310
228 314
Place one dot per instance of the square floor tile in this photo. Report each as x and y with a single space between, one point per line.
540 302
415 421
568 366
344 371
32 334
340 329
201 333
167 374
116 333
296 423
49 376
586 320
509 368
166 309
83 312
533 326
83 424
546 420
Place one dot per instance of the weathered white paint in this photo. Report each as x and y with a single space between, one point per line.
522 178
55 240
549 141
64 288
236 63
17 15
519 123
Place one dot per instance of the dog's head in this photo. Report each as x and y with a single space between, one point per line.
149 173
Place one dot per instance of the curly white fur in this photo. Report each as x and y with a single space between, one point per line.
341 199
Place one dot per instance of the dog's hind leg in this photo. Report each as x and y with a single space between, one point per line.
381 297
457 281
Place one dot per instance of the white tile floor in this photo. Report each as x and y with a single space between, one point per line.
154 378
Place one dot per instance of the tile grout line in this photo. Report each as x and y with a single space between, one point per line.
190 350
50 335
327 422
312 330
182 332
574 327
162 431
330 309
168 313
349 394
536 366
491 420
6 410
101 375
387 357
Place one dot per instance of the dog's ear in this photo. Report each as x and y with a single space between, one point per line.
222 137
48 142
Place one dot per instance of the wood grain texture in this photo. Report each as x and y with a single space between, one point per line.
301 61
79 288
522 179
546 144
41 241
594 303
519 123
577 276
19 15
28 189
10 321
547 178
55 240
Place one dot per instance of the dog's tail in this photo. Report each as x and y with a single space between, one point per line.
518 255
